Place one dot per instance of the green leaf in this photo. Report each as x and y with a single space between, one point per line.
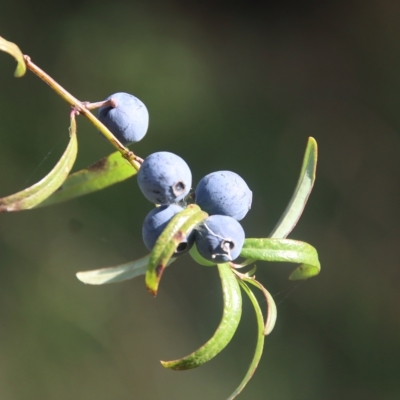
284 250
177 229
103 173
35 194
272 311
14 50
232 312
300 196
260 342
119 273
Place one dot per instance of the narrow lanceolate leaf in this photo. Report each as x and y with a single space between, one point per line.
35 194
177 229
119 273
232 312
14 50
260 341
300 196
272 312
284 250
104 173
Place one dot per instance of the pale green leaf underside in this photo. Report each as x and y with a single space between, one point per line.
14 51
106 172
118 273
35 194
300 196
232 311
284 250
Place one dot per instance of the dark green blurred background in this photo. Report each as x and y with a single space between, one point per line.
229 85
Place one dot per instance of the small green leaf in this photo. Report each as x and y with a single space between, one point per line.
103 173
232 312
119 273
284 250
272 311
14 50
300 196
35 194
177 229
260 342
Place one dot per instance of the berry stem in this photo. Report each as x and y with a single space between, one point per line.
82 108
98 104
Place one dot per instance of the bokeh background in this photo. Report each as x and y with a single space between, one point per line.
236 85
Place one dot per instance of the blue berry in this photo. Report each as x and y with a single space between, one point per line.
224 193
127 120
219 238
164 178
156 221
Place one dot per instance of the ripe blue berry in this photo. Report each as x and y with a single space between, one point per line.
164 178
156 221
224 193
219 238
127 118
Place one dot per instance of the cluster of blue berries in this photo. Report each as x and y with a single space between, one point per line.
165 179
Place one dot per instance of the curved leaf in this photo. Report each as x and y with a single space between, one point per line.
35 194
178 228
230 320
300 196
260 341
103 173
119 273
284 250
14 50
272 311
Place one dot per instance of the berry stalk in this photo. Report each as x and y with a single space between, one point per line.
81 108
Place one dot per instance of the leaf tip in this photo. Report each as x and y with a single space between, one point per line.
304 272
81 277
20 70
14 51
152 291
312 141
181 364
165 364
